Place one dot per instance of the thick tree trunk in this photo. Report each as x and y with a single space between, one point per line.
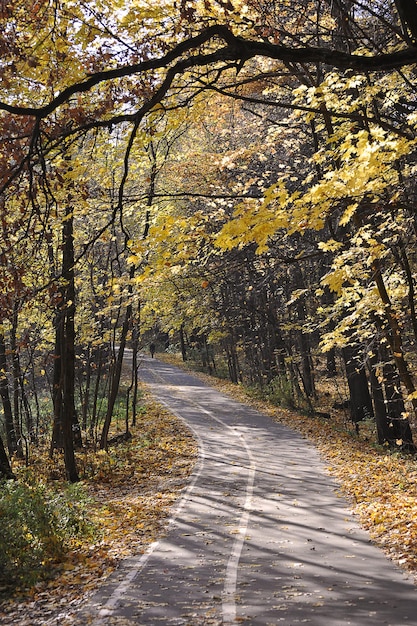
399 424
232 361
407 10
380 410
66 428
70 427
331 369
394 339
360 398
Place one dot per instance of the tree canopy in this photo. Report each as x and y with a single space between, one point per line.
234 176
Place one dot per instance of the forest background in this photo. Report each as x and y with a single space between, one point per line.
231 180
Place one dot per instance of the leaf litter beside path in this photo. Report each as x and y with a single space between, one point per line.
131 489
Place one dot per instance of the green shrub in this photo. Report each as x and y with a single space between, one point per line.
280 392
38 526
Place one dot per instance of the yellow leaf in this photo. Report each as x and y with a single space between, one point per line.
330 246
349 212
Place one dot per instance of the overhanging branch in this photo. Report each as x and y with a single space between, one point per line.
237 49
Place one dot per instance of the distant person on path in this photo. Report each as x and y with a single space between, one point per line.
152 349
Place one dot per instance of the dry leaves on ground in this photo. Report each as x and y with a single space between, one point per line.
132 489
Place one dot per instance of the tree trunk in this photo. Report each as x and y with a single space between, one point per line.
411 290
70 427
87 389
331 369
380 410
5 469
56 441
394 339
94 411
114 383
135 378
18 388
232 362
34 395
306 361
360 398
66 427
407 10
117 370
5 397
182 341
399 425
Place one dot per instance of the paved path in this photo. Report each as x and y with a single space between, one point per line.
260 536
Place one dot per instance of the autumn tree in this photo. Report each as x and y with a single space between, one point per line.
71 73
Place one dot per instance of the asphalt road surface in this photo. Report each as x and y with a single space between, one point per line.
260 536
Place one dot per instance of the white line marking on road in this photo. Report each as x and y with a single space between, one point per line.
122 588
139 563
230 583
232 568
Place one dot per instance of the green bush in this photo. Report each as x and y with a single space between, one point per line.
38 526
280 392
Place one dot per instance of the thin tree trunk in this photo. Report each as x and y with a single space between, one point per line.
5 469
16 372
34 395
56 441
114 383
117 371
135 377
5 397
94 410
411 289
87 389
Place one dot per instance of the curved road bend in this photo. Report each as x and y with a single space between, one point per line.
259 537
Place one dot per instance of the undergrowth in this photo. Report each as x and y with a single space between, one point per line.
58 540
39 524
